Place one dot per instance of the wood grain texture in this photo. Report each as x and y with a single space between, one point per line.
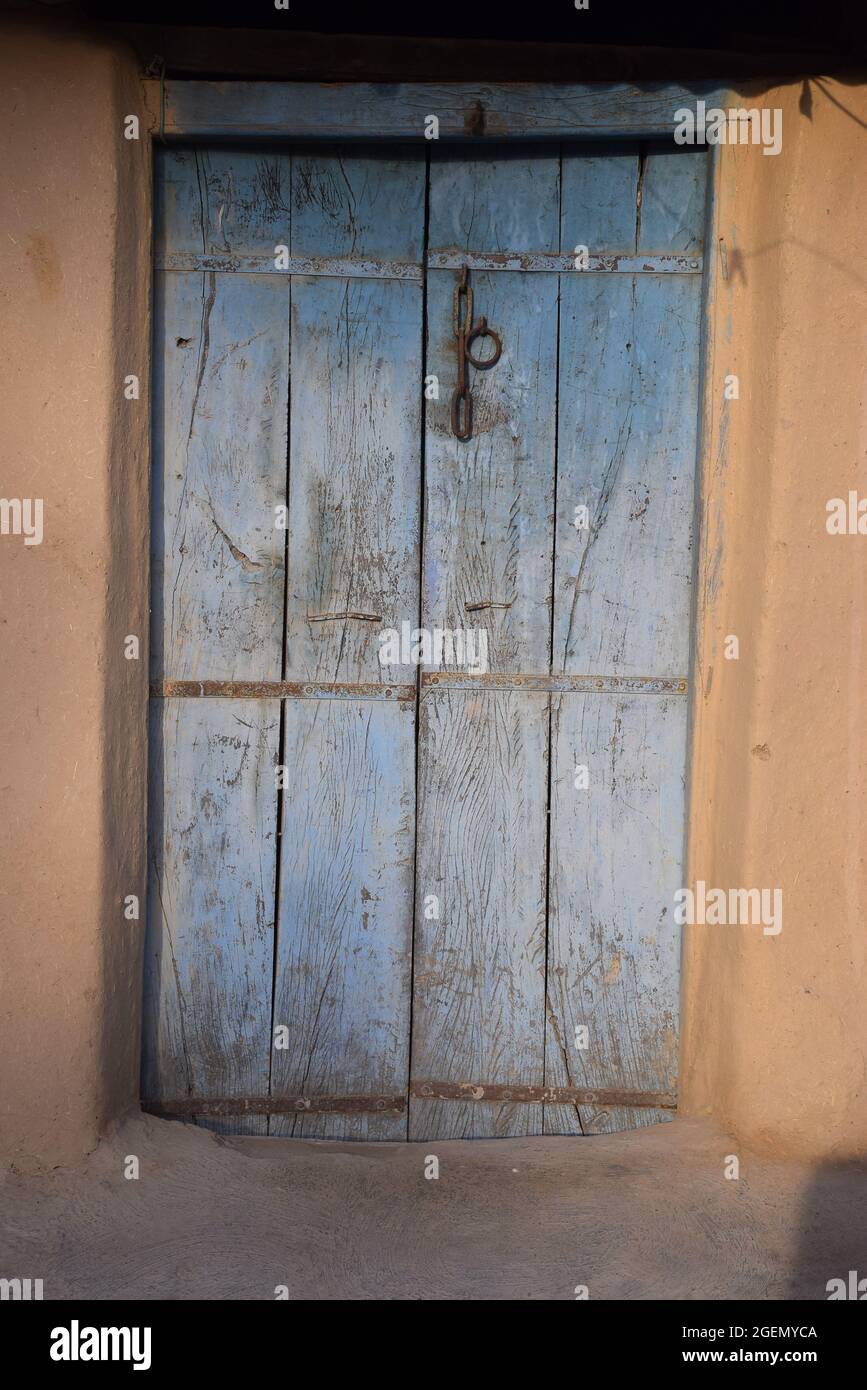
209 945
599 205
220 202
673 201
354 475
489 501
219 444
479 966
466 111
353 202
496 198
615 863
345 911
626 450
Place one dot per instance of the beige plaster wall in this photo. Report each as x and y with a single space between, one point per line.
74 271
775 1027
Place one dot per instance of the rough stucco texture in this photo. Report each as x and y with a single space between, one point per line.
775 1037
74 267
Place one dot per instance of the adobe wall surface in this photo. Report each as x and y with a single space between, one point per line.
775 1028
74 266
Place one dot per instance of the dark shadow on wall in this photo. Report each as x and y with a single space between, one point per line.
832 1232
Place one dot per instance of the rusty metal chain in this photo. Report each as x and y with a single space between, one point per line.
466 332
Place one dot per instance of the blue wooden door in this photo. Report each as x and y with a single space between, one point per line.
394 895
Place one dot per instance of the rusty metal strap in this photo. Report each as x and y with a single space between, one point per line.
276 1105
540 1095
341 267
279 690
396 1104
602 685
556 263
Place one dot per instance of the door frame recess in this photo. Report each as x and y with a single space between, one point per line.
239 113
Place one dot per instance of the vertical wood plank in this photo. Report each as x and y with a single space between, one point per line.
479 978
354 475
209 945
220 400
627 440
489 501
345 915
220 390
500 198
673 201
220 201
479 965
600 191
349 202
615 862
345 937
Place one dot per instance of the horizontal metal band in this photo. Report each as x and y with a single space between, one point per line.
604 685
605 262
363 268
540 1095
396 1105
351 267
277 1105
279 690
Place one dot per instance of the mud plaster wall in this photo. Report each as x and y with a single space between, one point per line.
74 267
775 1027
774 1039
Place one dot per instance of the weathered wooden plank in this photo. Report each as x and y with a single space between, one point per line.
209 947
480 907
673 201
489 500
220 202
354 476
465 111
353 203
599 204
494 199
356 418
344 940
626 451
615 863
220 388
